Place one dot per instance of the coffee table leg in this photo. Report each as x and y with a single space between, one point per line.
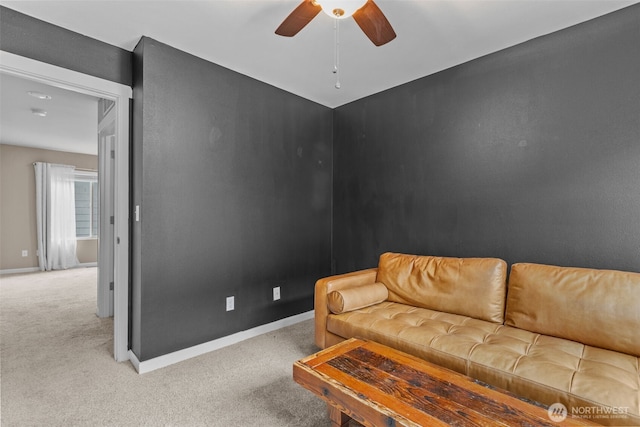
338 418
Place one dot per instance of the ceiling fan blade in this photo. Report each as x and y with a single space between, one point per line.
299 18
374 24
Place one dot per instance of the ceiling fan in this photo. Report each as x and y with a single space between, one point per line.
366 13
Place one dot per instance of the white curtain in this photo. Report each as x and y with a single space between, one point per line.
56 216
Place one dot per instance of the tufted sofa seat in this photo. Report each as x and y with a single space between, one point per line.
509 345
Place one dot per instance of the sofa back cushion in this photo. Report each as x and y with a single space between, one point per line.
600 308
474 287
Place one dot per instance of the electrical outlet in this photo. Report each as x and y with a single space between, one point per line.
230 303
276 293
25 252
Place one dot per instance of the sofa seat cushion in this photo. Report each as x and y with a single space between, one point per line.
538 367
443 338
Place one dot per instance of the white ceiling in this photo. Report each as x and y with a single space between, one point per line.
71 123
239 34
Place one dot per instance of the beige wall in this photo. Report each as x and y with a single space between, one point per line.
18 204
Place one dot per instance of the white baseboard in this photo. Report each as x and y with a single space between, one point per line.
19 270
87 264
36 269
197 350
134 360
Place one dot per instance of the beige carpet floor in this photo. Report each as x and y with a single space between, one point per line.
57 368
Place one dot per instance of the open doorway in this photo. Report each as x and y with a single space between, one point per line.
117 153
46 125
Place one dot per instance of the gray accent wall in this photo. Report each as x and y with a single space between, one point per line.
531 154
233 180
32 38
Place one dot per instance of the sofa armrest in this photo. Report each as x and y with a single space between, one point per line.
329 284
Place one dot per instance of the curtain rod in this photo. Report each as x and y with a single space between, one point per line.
78 169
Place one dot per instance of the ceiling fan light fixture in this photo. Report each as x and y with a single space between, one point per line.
340 9
366 13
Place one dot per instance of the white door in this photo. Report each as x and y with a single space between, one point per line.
106 160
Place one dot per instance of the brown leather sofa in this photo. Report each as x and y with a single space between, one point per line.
551 334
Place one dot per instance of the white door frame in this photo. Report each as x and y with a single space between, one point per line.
121 94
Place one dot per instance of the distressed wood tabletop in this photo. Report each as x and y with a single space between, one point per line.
379 386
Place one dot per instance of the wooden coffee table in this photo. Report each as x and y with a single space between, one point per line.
379 386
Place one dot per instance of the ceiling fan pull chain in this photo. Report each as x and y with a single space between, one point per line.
336 30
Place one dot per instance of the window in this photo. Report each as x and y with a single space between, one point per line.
87 205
